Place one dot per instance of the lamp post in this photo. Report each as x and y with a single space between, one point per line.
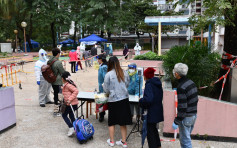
16 32
24 24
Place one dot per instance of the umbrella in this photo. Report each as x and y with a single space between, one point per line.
144 127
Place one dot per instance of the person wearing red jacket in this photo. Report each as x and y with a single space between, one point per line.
72 60
70 93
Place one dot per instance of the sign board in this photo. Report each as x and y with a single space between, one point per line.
6 47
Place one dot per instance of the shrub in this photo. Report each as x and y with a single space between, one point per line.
203 67
4 55
149 56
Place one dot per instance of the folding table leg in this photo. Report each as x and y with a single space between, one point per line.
86 109
90 108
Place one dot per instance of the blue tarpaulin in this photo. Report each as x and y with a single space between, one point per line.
92 38
33 43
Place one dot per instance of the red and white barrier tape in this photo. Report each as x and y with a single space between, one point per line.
225 67
225 77
228 56
222 77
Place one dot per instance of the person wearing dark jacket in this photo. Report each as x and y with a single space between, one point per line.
187 105
125 51
58 70
152 102
93 53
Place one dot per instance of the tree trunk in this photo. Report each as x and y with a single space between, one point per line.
30 33
53 34
101 33
230 45
109 35
29 42
138 34
75 35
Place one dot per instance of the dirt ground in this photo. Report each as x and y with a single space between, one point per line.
36 127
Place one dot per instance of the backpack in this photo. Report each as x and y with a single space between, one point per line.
84 130
47 72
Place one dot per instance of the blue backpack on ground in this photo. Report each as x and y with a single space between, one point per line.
83 128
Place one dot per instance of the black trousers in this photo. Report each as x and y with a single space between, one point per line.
73 67
56 89
153 137
102 114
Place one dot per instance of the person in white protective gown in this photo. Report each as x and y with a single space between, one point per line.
82 49
137 49
44 86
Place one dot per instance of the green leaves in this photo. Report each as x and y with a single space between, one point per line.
149 56
203 67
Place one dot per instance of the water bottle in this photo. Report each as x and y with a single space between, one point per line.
95 92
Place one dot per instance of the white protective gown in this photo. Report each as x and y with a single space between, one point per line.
44 87
82 48
137 49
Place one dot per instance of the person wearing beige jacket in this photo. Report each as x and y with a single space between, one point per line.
70 93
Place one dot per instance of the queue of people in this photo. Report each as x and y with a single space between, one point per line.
119 84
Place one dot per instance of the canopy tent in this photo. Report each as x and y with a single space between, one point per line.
33 43
67 42
92 39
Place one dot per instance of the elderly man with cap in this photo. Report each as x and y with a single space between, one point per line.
44 86
152 102
187 105
135 86
101 75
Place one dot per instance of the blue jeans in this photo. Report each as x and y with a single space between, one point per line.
68 111
185 130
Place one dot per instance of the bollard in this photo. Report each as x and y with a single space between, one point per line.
2 80
12 73
16 77
5 66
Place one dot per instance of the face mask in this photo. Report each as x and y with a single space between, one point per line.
131 70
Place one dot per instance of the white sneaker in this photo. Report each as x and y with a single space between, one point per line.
121 143
70 132
111 143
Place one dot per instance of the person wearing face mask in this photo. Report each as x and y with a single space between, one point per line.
44 86
133 88
101 75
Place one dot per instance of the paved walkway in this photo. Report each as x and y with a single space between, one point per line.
38 128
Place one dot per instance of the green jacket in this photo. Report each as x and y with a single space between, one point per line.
58 70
